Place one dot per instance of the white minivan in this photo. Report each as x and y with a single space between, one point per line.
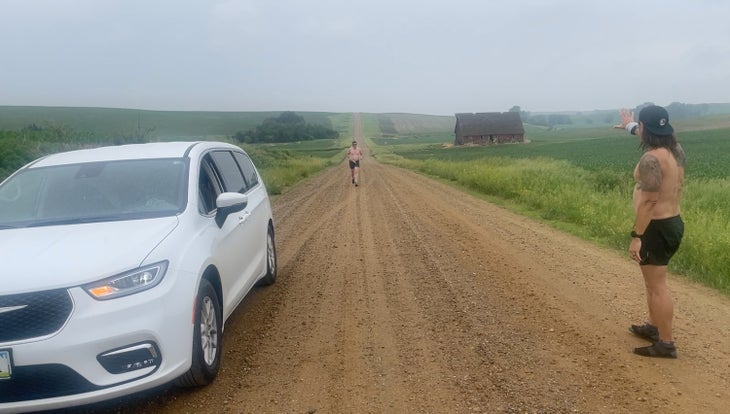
119 266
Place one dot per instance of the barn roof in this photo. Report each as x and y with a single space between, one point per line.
485 123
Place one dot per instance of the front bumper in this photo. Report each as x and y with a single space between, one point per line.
106 349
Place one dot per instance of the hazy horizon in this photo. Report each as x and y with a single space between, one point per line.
376 56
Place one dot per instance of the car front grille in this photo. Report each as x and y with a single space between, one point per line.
32 315
43 381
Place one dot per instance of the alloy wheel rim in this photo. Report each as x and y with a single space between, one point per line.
271 255
208 331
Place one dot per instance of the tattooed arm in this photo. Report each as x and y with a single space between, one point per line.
648 177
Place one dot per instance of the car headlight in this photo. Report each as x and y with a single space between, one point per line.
127 283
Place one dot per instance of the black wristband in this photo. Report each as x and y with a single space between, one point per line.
634 234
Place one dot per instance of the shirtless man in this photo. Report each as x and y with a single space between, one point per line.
658 227
354 155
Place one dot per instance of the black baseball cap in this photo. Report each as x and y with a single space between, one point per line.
354 142
656 120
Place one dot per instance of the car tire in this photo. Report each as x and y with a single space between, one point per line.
271 263
207 339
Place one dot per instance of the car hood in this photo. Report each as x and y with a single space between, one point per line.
40 258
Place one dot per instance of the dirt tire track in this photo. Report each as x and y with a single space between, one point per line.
405 295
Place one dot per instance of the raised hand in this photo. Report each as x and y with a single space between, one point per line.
626 117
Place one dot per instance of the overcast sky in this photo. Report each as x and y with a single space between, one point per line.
419 56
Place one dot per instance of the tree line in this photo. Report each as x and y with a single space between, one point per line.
287 127
677 110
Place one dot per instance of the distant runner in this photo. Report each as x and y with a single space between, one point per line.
354 155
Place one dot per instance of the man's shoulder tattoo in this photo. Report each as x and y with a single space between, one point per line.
650 173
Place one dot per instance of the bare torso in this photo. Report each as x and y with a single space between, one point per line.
354 154
669 182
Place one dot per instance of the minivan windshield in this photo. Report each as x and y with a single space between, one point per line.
93 192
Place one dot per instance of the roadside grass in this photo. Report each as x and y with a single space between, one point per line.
284 164
584 186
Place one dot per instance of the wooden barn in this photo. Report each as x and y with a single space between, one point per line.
488 128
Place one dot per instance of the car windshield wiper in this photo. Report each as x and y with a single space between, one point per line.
76 220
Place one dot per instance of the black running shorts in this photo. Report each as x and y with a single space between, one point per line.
661 240
354 164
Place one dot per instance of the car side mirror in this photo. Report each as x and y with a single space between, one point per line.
228 203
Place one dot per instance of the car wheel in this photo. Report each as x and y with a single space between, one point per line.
270 276
207 338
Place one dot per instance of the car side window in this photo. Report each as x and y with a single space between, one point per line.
230 173
208 187
249 172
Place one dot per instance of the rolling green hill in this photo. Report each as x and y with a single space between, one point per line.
162 124
165 125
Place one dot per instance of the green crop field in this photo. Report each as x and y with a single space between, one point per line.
708 151
27 133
